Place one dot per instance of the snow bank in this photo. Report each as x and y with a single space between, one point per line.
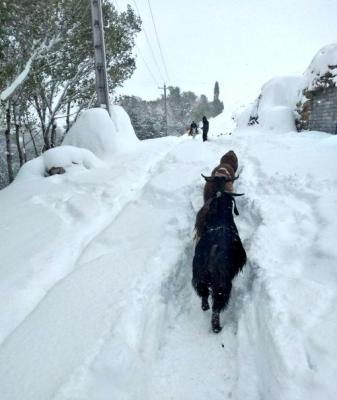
126 134
66 157
93 138
104 136
274 110
325 61
224 123
96 276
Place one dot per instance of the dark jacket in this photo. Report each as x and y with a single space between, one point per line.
205 128
205 125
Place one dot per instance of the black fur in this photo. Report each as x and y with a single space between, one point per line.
219 256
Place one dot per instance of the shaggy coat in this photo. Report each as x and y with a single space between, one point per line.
219 254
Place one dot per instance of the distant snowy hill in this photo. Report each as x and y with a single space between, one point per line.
95 272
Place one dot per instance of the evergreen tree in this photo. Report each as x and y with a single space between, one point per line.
217 105
216 91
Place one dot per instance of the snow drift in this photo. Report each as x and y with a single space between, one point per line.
95 273
274 110
94 139
67 157
104 136
276 107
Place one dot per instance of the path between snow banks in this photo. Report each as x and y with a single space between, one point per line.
78 313
126 324
158 312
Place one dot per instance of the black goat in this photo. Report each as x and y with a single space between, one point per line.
219 254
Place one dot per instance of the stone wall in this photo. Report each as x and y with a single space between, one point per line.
323 111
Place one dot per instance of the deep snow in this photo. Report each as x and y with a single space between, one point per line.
96 300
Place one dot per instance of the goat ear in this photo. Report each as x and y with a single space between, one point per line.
208 178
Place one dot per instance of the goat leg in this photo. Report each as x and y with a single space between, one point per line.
204 304
216 328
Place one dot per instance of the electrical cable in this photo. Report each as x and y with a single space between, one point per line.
140 53
149 44
158 41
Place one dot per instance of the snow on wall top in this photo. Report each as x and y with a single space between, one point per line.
104 136
325 61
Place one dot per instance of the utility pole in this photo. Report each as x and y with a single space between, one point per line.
99 53
165 107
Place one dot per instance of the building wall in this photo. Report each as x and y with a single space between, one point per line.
323 111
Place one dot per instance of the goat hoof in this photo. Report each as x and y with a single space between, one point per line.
204 304
216 328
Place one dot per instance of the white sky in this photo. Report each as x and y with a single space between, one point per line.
240 43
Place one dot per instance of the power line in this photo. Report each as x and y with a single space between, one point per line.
158 41
146 65
149 44
140 53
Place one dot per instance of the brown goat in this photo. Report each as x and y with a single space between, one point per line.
231 159
227 168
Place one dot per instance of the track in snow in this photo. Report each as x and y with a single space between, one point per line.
161 343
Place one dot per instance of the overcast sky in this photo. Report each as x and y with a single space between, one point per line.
240 43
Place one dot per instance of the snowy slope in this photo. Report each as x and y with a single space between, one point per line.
96 268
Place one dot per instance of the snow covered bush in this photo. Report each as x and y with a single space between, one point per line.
104 136
64 157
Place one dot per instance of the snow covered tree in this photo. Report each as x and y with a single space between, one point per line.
47 66
147 117
201 108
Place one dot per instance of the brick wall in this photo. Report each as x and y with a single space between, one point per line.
323 111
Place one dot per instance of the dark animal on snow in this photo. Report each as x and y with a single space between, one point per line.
227 168
219 254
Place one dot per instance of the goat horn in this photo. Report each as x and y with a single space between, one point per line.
233 193
208 178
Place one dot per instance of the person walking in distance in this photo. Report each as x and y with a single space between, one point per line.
205 128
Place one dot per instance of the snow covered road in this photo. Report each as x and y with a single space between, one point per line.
112 315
